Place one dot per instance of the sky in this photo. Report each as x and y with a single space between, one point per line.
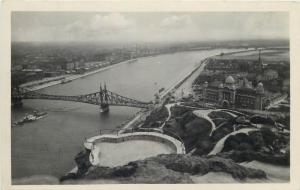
148 26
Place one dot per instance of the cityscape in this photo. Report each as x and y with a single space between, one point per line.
100 98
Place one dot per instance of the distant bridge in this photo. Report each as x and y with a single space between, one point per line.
103 98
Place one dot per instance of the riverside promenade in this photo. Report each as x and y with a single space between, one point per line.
184 84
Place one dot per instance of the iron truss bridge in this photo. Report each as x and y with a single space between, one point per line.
103 98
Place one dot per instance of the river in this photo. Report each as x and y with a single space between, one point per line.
48 146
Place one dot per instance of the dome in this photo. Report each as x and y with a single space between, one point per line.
229 80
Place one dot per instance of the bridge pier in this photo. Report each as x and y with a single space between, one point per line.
104 108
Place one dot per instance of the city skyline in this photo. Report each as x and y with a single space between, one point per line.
148 27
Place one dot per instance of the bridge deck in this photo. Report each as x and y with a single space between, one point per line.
97 98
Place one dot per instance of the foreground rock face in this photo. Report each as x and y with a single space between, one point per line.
171 169
249 155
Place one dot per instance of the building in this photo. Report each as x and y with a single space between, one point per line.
232 94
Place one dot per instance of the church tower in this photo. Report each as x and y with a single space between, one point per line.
259 96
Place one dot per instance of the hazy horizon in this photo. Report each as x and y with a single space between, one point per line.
160 27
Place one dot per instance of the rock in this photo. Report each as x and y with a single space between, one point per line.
184 163
100 172
171 168
139 172
151 172
126 171
83 164
225 165
250 155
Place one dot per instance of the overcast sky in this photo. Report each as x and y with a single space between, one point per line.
147 27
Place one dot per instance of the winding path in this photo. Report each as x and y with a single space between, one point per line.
204 115
220 144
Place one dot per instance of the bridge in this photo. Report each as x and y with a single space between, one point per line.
102 98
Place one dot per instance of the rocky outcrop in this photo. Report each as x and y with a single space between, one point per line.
237 171
250 155
83 164
171 169
138 172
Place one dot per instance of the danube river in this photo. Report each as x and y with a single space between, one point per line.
48 146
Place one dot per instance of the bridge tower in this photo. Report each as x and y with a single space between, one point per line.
104 107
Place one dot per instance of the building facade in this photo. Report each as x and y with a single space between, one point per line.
232 95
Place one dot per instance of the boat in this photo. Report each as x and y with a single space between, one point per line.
29 118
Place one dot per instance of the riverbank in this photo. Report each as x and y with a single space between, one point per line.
182 85
59 80
70 78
